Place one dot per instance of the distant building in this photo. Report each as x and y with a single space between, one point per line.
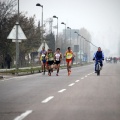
73 35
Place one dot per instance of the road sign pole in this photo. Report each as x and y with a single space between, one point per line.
17 35
17 43
17 48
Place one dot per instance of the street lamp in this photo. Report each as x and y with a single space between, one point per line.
77 36
65 39
77 44
65 32
57 25
80 49
70 34
38 4
57 28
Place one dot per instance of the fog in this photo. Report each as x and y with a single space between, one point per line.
100 17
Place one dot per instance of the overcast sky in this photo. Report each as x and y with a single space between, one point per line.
100 17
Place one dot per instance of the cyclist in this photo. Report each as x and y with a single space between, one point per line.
43 54
50 59
69 55
58 58
98 56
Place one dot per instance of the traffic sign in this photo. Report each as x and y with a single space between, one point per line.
15 40
21 35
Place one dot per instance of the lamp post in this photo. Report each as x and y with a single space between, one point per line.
80 49
57 25
38 4
65 32
70 34
57 28
84 50
64 48
77 44
77 36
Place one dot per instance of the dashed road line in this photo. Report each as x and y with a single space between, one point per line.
47 99
82 78
61 90
77 80
71 84
23 115
86 76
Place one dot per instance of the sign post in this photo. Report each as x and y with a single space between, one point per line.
17 35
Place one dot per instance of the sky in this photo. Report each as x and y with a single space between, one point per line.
100 17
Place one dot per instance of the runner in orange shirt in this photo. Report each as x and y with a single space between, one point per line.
69 55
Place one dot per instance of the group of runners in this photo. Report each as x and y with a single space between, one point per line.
50 60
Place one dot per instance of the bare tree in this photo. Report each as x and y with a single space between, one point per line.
7 9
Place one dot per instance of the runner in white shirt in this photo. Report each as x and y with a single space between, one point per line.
58 59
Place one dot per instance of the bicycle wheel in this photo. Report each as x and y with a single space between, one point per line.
98 72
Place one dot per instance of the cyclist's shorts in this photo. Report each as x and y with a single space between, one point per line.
68 60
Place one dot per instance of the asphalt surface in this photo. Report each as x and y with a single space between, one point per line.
81 96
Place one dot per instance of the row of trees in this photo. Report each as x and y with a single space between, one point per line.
8 19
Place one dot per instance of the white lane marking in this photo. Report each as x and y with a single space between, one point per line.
86 76
89 74
47 99
22 116
71 84
77 80
61 90
82 78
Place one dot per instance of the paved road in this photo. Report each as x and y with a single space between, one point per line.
81 96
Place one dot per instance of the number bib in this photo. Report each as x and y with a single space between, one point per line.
69 56
43 56
57 57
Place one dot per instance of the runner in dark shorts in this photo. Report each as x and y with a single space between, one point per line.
58 58
50 59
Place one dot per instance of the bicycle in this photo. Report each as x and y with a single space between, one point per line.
98 68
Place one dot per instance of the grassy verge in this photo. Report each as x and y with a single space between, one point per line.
33 70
